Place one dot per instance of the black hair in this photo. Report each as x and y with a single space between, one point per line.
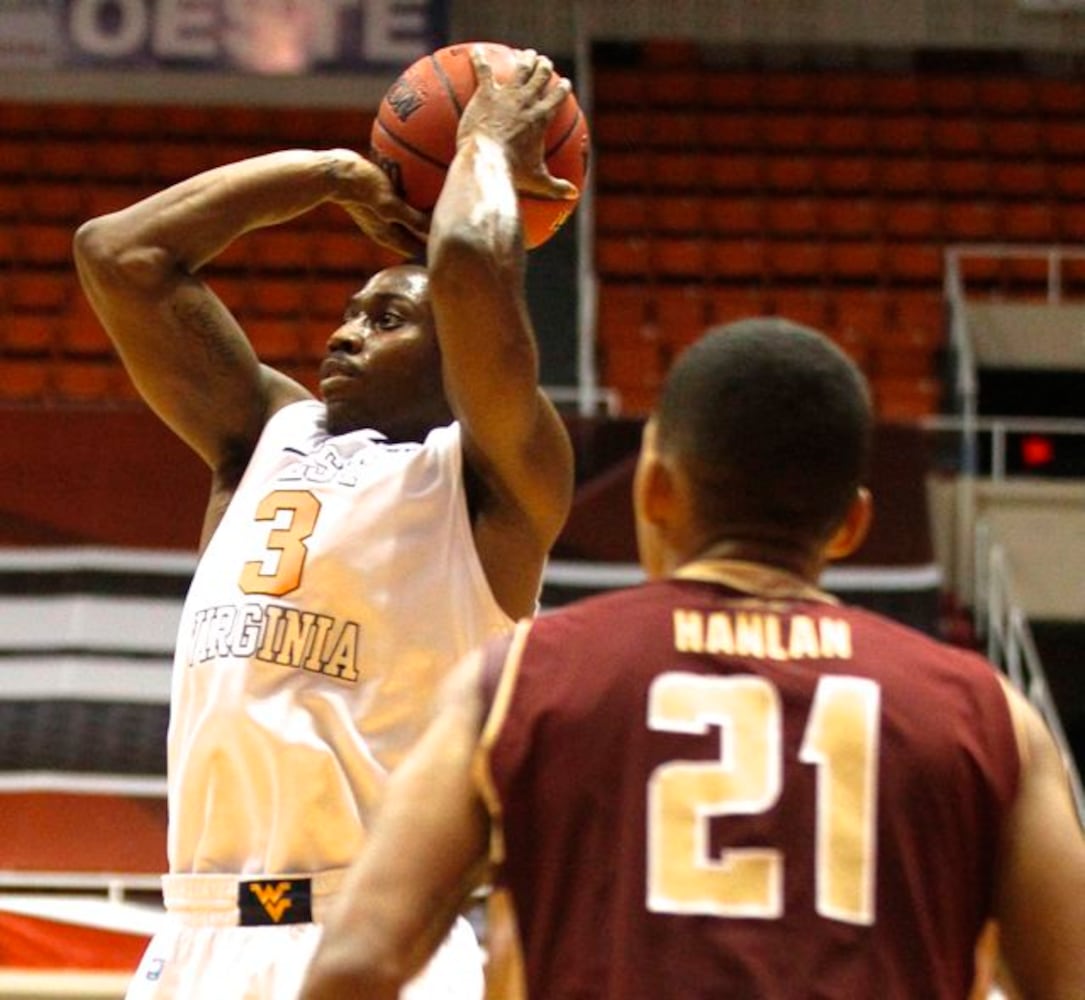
772 421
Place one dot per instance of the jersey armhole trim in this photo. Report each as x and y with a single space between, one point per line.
491 731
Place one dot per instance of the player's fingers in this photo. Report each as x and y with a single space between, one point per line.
410 219
554 97
540 74
484 74
400 240
526 63
544 185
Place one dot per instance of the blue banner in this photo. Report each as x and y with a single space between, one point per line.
295 37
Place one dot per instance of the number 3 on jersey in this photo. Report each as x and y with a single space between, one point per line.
300 509
840 741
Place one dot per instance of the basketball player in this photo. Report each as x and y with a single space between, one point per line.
724 782
353 547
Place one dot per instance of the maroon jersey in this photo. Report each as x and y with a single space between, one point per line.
729 785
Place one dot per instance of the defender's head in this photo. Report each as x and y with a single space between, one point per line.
760 440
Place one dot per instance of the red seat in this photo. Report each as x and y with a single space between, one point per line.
958 136
860 311
53 201
969 220
1065 139
1021 179
80 381
905 399
918 317
1071 221
912 218
41 291
273 338
680 313
1028 222
1068 179
906 175
895 92
619 128
730 131
616 169
791 173
622 311
788 132
796 260
788 90
621 212
900 134
963 177
25 379
1005 95
842 133
948 93
736 259
82 334
1060 95
808 306
860 261
617 86
635 368
676 169
733 172
674 87
668 129
624 256
842 90
676 213
1015 137
726 305
46 244
847 174
915 262
737 89
850 216
28 333
271 296
679 256
735 215
799 216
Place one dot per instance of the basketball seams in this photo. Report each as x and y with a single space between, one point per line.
563 138
413 150
450 91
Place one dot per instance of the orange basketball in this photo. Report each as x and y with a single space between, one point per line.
414 134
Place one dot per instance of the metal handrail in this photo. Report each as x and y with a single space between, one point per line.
1011 646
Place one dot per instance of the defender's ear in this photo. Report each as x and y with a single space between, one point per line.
657 489
853 529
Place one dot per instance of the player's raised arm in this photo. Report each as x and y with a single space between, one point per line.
514 440
183 349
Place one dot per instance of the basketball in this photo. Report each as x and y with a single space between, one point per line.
413 138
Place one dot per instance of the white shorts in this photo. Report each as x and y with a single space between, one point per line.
204 952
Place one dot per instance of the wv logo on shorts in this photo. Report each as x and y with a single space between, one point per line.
275 902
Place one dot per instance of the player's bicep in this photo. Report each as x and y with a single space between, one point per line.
1040 896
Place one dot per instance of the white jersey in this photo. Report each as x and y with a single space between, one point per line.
340 586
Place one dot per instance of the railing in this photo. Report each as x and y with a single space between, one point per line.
1002 622
960 339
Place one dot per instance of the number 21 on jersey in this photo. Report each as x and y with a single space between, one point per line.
840 741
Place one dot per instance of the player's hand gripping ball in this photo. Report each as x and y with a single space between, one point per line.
413 137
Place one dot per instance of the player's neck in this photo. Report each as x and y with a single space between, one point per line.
784 555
